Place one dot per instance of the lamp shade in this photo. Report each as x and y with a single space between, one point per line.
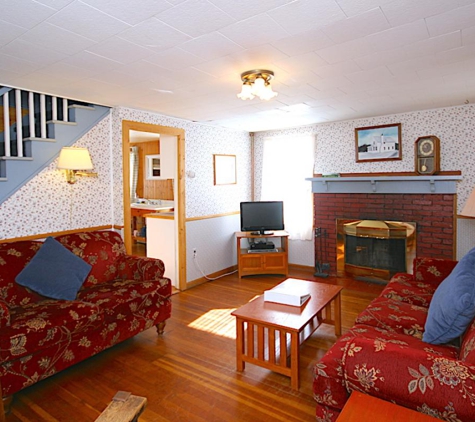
74 159
469 208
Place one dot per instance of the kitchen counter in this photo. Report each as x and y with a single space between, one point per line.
170 215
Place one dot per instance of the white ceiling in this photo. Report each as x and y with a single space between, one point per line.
333 59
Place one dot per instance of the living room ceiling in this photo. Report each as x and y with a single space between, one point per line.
333 59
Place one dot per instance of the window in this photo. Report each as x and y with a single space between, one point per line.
152 167
287 162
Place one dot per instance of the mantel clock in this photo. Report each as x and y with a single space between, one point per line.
427 155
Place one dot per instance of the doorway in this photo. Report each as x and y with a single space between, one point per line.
180 213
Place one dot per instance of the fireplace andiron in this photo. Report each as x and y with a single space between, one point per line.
321 253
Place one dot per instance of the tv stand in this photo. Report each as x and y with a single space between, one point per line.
262 233
275 261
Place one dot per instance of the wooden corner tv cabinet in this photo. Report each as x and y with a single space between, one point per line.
263 261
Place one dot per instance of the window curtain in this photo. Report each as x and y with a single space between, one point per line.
287 161
134 172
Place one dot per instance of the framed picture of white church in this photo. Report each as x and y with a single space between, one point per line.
378 143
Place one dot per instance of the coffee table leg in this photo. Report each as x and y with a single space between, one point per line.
337 302
294 360
240 364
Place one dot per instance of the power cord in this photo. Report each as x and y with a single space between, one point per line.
197 265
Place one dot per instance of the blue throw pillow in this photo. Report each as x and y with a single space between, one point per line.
453 305
54 272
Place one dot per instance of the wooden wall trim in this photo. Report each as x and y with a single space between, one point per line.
201 280
206 217
53 234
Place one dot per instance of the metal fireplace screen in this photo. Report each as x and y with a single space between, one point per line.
377 249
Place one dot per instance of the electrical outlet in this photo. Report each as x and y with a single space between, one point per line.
194 253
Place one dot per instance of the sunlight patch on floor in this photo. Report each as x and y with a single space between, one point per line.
217 321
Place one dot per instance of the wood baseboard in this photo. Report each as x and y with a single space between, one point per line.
202 280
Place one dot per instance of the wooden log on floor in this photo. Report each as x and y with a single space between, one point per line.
123 411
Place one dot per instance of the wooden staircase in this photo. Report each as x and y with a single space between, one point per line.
33 129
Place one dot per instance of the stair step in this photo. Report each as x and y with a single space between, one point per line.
40 139
62 122
16 158
81 106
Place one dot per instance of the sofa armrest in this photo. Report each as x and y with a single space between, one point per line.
427 378
432 270
329 388
141 268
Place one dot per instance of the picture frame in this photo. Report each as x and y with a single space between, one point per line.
224 169
378 143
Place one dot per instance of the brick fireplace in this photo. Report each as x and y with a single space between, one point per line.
434 213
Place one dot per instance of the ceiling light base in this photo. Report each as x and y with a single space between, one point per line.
256 83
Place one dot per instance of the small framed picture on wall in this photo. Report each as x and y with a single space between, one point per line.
378 143
224 169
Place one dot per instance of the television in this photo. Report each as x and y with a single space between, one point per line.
261 217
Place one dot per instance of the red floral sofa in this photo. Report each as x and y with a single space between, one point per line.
383 354
121 296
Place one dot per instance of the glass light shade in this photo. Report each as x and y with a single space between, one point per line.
74 159
258 86
267 93
469 208
246 92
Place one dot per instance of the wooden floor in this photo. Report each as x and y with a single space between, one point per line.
189 374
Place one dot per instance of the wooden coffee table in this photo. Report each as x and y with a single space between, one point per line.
270 334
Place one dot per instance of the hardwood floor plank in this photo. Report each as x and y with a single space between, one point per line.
189 373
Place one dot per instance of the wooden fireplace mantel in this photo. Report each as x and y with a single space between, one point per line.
387 183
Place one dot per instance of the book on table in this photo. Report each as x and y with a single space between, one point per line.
286 297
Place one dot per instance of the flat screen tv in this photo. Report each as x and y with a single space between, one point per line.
262 217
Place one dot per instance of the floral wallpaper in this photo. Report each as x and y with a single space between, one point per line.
201 142
47 203
335 143
335 153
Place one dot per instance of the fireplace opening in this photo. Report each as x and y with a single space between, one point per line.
375 250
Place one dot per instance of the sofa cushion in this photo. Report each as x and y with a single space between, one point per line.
129 306
453 305
405 288
13 258
432 270
330 386
104 250
394 316
42 325
54 272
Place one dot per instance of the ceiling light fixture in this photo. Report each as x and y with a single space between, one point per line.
256 83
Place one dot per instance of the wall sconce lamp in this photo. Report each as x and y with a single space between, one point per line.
256 83
469 207
73 160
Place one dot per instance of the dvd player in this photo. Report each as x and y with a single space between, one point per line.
262 245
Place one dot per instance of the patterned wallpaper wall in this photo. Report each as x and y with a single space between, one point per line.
335 151
48 204
201 142
335 143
